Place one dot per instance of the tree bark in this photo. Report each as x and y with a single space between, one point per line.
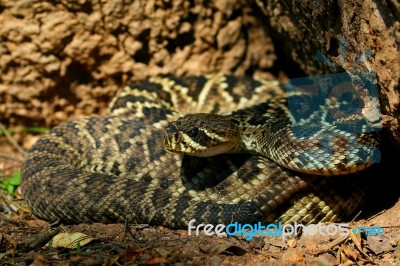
352 35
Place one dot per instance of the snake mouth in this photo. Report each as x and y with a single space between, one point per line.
182 144
201 135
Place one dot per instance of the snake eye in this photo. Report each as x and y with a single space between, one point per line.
193 133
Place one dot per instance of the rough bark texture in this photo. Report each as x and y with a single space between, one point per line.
344 31
60 59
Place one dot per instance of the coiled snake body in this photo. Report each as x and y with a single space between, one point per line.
114 168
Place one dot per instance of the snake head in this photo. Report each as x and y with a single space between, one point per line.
201 135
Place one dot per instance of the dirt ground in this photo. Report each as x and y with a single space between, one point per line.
66 59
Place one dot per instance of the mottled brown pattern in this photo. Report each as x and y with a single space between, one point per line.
113 168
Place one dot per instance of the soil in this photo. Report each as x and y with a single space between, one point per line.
61 60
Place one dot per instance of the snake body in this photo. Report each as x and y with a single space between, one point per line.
114 168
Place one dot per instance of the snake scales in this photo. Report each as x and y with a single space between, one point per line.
114 168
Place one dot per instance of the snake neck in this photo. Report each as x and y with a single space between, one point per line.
327 154
260 132
247 143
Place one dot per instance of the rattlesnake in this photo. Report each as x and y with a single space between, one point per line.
113 168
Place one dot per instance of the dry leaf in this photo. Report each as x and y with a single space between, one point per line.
39 260
70 240
379 244
292 243
130 255
37 223
12 244
356 240
156 261
349 252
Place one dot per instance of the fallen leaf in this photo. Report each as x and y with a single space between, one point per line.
349 252
156 261
130 255
379 244
37 223
356 240
292 243
12 244
29 140
137 251
70 240
183 233
39 260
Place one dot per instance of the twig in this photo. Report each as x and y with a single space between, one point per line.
10 158
10 168
36 241
327 247
7 204
356 216
128 230
9 220
12 141
376 214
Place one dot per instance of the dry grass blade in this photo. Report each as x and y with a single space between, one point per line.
10 158
12 141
